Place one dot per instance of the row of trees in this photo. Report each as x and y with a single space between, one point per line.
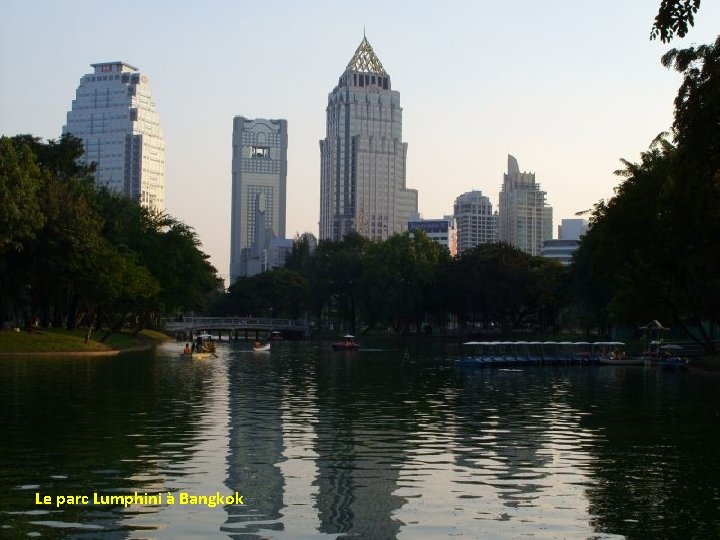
74 255
403 283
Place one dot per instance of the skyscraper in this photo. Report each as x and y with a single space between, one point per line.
476 223
259 176
525 219
362 158
114 114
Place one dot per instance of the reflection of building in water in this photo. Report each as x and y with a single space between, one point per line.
255 448
359 463
512 429
521 446
310 459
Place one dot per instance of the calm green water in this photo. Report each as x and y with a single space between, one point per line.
325 444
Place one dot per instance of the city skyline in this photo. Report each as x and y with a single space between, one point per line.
571 89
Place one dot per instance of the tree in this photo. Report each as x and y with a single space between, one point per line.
498 283
336 273
693 186
674 18
21 219
300 257
622 264
70 233
113 286
76 253
655 241
20 185
166 247
399 281
277 293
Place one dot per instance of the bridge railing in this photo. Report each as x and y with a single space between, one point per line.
181 323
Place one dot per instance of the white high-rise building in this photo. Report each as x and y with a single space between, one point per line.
362 158
476 223
525 219
114 114
259 178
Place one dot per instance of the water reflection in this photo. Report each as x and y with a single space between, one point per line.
361 446
657 473
84 426
255 441
365 445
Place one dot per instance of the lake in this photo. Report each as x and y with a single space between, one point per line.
377 443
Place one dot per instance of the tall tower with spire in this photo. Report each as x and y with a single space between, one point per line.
362 158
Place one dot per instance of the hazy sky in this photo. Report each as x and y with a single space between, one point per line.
568 87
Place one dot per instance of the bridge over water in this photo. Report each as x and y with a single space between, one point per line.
236 326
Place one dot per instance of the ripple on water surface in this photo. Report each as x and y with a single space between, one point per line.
325 444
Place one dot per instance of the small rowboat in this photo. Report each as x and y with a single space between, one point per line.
347 343
261 347
195 355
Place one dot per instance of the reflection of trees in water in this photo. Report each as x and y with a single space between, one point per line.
655 470
255 446
106 425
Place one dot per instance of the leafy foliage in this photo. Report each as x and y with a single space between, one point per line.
88 255
674 18
652 248
278 293
497 283
20 185
399 280
405 283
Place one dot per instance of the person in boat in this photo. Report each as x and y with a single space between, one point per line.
257 344
199 347
187 349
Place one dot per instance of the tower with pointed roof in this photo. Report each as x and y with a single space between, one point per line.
362 158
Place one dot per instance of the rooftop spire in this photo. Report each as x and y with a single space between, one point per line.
365 60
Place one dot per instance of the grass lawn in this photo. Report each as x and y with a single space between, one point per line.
60 340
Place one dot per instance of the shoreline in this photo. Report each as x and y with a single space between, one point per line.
110 352
61 343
